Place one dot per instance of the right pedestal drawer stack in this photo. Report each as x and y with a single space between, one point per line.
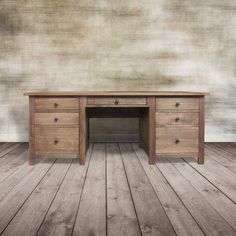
177 127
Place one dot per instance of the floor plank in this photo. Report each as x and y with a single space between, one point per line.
12 155
13 201
229 147
152 217
225 181
60 218
121 217
29 217
223 205
180 218
16 162
118 193
221 150
91 217
220 158
11 181
206 216
7 147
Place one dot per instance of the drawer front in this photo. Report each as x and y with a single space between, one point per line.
56 140
55 104
176 140
117 101
57 119
177 118
177 104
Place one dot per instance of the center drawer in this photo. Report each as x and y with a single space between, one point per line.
56 119
117 101
56 140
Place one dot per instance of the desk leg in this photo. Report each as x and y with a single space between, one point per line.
201 131
31 132
142 129
88 131
152 130
82 130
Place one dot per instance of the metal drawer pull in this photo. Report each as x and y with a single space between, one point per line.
177 104
56 141
55 104
116 102
55 119
177 119
177 141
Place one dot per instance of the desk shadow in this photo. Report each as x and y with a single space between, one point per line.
176 160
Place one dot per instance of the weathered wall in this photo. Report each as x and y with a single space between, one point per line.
118 45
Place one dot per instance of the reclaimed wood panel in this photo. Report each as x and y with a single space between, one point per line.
180 218
217 199
220 158
217 175
152 218
121 216
14 179
221 150
13 165
14 200
211 222
63 210
29 218
7 148
91 217
117 193
230 148
12 154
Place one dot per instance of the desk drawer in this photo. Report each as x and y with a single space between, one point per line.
56 140
56 104
117 101
176 140
177 118
57 119
177 104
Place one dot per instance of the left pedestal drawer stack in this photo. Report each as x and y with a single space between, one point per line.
56 127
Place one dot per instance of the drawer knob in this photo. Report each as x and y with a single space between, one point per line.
55 104
56 141
55 119
177 119
177 141
177 104
116 102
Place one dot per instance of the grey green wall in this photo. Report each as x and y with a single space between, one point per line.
118 45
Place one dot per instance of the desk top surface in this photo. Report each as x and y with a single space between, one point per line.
116 93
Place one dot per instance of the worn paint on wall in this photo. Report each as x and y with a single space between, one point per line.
118 45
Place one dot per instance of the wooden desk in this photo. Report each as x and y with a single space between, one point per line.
171 123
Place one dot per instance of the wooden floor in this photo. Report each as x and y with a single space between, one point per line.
118 193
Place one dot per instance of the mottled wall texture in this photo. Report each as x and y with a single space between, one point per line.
118 45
